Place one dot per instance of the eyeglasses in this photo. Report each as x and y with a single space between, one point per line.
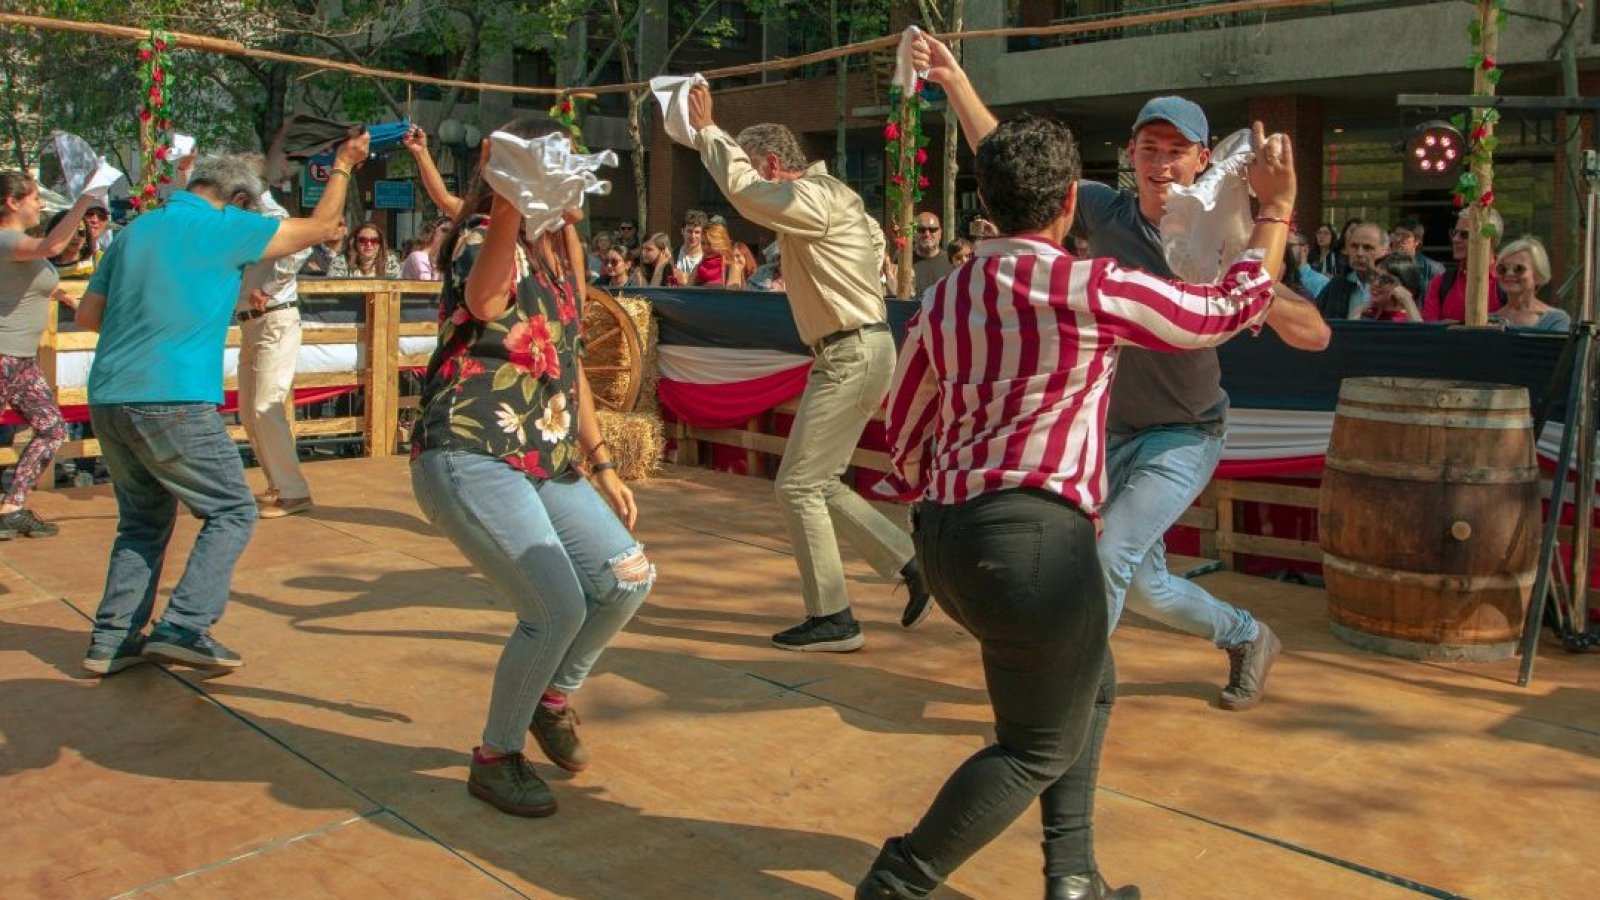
928 229
368 241
612 262
1517 270
624 227
97 214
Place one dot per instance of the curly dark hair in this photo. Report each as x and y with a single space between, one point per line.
1025 168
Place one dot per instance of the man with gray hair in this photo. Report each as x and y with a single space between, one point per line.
162 300
831 251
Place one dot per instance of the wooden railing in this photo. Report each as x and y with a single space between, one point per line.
376 336
1215 515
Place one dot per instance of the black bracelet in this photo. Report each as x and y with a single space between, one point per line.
599 467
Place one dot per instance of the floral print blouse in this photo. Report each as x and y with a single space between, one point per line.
506 387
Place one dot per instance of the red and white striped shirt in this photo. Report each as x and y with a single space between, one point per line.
1004 377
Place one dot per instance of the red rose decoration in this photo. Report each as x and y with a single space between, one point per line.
891 132
899 242
566 107
1460 201
160 44
149 190
1480 132
1487 199
922 155
164 124
158 76
898 179
1488 63
144 55
918 86
922 182
144 115
166 179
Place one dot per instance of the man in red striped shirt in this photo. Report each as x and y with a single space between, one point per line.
996 425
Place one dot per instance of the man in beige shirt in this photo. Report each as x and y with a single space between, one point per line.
832 252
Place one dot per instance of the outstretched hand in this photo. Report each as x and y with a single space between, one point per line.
355 151
416 140
1271 173
930 56
700 107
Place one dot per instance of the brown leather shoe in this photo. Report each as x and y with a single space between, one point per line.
556 730
1248 665
285 506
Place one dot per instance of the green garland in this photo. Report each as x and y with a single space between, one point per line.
1481 141
565 112
155 126
906 169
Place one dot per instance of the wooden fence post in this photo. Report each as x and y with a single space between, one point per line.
381 373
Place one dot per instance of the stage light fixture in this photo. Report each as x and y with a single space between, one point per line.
1435 149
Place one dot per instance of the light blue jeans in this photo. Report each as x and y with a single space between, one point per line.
557 552
1153 475
159 454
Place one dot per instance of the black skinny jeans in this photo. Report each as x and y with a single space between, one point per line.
1018 570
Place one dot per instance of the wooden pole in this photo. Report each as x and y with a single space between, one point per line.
1479 246
381 373
903 217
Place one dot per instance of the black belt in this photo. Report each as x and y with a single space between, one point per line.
838 336
249 314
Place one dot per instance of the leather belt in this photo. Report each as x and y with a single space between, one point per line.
838 336
250 314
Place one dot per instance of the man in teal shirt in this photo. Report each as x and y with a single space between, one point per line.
162 300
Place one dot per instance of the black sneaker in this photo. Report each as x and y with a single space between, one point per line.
107 660
510 785
556 730
23 522
169 645
838 633
1087 887
920 602
1248 666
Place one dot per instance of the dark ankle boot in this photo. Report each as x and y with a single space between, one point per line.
1086 887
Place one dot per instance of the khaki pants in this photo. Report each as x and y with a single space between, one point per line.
846 387
269 347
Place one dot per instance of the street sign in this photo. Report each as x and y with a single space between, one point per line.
393 195
314 179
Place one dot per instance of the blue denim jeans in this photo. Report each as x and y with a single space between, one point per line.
159 454
554 549
1153 476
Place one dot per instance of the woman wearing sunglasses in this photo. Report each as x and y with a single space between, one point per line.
367 257
1523 268
1395 288
617 269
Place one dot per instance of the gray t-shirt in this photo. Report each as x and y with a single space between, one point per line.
25 289
929 271
1150 388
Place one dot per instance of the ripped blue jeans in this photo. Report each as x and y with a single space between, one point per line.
558 554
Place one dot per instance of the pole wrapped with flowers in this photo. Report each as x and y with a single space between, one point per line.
565 113
906 150
155 125
1474 190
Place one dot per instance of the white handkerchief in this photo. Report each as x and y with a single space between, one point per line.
672 92
79 162
182 145
1207 225
103 178
542 176
905 75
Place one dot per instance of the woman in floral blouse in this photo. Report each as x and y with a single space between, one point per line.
507 417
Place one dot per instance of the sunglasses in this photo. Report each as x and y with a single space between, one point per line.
97 214
612 262
1298 244
368 242
1517 270
624 227
928 229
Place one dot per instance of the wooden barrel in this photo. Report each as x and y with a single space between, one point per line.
1429 517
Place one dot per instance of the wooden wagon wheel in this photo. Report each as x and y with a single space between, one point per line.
615 360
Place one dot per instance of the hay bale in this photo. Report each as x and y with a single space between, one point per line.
635 440
611 388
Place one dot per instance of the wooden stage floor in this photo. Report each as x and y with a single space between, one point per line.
332 764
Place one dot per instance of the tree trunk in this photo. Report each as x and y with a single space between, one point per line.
1572 198
641 191
840 151
955 19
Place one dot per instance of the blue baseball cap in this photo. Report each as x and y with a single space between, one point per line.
1184 115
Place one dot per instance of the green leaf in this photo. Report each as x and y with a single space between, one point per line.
460 432
1494 75
1459 121
528 387
495 326
1468 183
1489 144
465 420
1489 231
559 456
504 377
1475 31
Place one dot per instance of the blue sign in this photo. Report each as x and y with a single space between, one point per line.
314 179
393 195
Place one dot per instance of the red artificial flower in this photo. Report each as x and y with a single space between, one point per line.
566 107
1488 62
160 44
531 349
891 132
526 462
922 182
918 86
1460 201
144 55
1480 132
164 124
1487 199
155 95
158 76
144 115
166 179
922 155
899 242
150 190
898 179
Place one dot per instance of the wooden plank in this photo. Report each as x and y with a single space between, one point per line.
335 425
360 287
1203 519
335 334
328 379
381 374
418 329
1224 531
1259 545
1261 492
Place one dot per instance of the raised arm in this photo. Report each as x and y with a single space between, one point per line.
416 140
294 235
52 244
929 55
782 204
